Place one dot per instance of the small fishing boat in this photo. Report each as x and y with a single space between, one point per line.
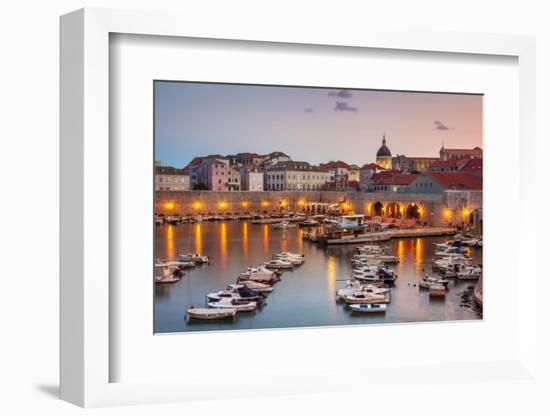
283 225
427 282
297 261
239 305
174 263
194 257
165 274
370 249
309 223
240 293
353 286
278 264
365 297
210 313
382 258
368 307
450 250
257 286
469 273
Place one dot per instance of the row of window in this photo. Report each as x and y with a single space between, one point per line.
304 177
292 187
171 179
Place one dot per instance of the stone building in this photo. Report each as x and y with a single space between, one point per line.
383 155
365 174
450 154
295 176
252 179
214 174
439 182
168 178
412 164
390 181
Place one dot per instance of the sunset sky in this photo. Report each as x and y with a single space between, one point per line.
311 124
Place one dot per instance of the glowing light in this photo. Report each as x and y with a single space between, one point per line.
223 243
170 244
169 205
197 205
301 202
198 238
283 203
245 238
466 212
448 213
223 205
244 204
265 204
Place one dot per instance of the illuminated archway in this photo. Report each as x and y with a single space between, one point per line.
412 211
392 210
378 207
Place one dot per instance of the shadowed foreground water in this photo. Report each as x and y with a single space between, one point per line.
305 296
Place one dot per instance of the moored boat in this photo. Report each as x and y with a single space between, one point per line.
211 313
242 306
194 257
368 307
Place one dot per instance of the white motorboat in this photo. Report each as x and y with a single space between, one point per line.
288 253
278 264
284 225
210 313
194 257
257 286
427 282
309 223
353 286
469 273
450 250
174 263
368 307
370 249
297 261
383 258
165 274
365 297
241 306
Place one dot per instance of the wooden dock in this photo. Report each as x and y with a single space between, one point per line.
390 234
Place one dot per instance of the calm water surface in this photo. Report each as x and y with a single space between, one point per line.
305 296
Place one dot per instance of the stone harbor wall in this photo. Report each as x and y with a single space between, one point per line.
432 209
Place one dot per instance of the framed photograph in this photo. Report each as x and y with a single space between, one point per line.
229 200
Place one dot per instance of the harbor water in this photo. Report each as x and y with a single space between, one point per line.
304 297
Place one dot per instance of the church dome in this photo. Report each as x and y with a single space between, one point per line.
384 150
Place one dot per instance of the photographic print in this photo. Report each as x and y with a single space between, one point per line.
292 207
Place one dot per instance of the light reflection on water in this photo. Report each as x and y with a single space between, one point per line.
304 297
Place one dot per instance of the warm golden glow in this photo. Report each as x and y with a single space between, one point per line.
170 245
198 238
223 205
283 203
301 202
265 204
245 238
169 206
266 238
197 205
448 213
223 243
419 251
244 204
466 212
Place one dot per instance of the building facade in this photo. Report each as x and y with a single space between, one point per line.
295 176
450 154
390 181
168 178
252 179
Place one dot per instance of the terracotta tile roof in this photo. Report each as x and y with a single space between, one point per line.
449 163
372 166
457 180
473 165
334 164
392 177
169 170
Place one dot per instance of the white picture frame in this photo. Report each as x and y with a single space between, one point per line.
85 210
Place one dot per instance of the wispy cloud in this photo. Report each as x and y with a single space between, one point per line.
343 106
438 125
340 94
309 110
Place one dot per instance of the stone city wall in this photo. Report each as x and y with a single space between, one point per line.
434 209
